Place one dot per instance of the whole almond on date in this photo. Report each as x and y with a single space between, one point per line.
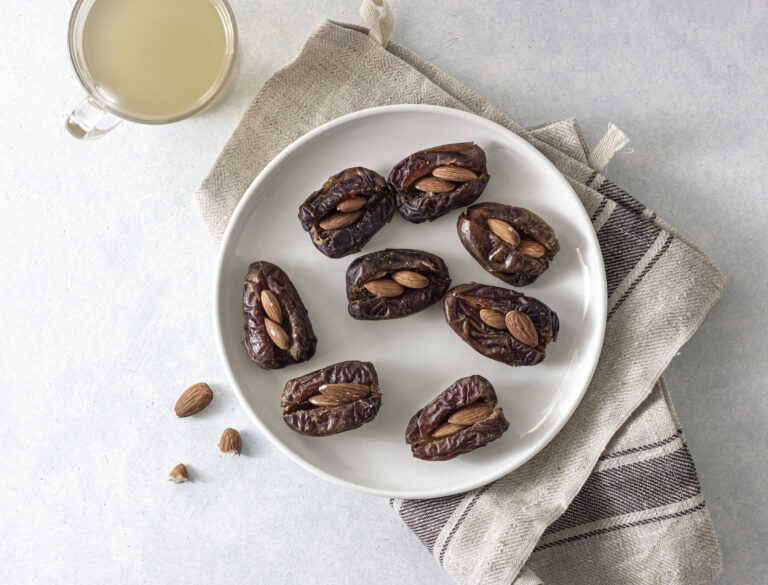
347 392
339 220
271 306
451 173
410 279
470 415
522 328
193 400
230 442
446 430
277 334
433 185
178 474
384 287
352 204
531 248
493 318
505 232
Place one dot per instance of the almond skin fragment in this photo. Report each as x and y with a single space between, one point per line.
384 287
522 328
193 400
339 220
277 334
347 392
271 306
446 430
470 415
178 474
493 318
350 205
434 185
531 248
410 279
505 232
451 173
230 442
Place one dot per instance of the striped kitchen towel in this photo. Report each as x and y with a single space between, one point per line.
614 498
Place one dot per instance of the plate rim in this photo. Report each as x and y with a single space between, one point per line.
227 242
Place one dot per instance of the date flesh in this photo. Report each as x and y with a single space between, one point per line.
347 211
500 323
460 419
395 283
278 331
511 243
337 398
432 182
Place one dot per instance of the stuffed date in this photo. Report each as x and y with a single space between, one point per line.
347 211
337 398
511 243
432 182
278 331
394 283
460 419
500 323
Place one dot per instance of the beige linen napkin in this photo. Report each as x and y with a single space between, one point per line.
614 498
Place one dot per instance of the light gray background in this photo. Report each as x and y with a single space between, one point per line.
105 288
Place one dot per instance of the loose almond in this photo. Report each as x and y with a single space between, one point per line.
178 474
502 230
271 306
339 220
410 279
230 442
470 415
384 287
349 205
434 185
193 400
531 248
277 334
322 400
446 430
522 328
493 318
346 391
450 173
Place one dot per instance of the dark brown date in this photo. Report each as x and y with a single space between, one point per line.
338 398
511 243
395 283
278 331
347 211
462 418
500 323
432 182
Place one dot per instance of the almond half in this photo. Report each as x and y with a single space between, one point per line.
178 474
230 442
193 400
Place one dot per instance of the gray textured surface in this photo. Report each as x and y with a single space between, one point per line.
106 272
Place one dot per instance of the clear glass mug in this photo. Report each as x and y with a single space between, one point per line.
104 108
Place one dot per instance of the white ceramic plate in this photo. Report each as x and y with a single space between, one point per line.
418 356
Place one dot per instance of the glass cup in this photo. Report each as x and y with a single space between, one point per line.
139 60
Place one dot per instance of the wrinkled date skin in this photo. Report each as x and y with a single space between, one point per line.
461 173
468 308
433 437
307 410
511 243
407 282
297 334
347 211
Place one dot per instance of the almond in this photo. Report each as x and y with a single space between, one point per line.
384 287
446 430
522 328
339 220
450 173
178 474
502 230
531 248
271 306
351 204
493 318
322 400
346 391
277 334
410 279
434 185
193 400
230 442
470 415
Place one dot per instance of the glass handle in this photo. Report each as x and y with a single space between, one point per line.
89 121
